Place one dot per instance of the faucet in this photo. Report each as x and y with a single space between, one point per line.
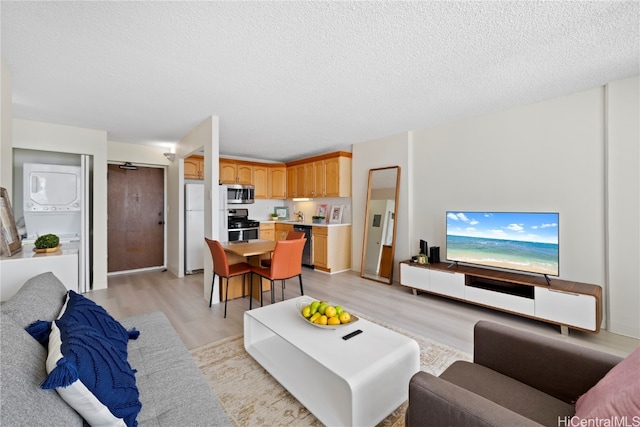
300 216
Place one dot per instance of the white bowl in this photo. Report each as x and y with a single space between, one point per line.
303 302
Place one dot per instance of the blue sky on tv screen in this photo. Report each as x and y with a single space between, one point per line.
538 227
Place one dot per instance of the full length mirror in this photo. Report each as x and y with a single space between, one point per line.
379 244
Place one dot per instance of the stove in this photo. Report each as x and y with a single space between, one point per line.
240 226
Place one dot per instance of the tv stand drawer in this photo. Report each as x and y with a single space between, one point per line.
566 308
500 300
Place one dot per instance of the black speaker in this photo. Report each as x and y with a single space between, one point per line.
434 254
424 247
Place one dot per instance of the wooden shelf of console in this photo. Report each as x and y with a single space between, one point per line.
569 304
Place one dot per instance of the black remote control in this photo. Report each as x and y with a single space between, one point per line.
352 334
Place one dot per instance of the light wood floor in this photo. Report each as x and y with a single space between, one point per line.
440 319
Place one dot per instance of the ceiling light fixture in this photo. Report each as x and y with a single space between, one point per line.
128 166
170 156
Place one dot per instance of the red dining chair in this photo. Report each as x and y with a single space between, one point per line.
286 263
222 268
292 235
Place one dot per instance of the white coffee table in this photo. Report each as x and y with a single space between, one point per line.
354 382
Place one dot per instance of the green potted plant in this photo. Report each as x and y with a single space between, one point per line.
47 243
318 219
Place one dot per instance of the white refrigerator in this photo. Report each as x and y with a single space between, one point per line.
194 228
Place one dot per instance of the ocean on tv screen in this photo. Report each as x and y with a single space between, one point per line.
513 240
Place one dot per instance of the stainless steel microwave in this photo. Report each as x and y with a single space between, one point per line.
238 193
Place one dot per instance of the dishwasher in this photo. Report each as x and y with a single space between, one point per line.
306 253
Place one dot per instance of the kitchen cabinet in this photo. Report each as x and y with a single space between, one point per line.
331 248
270 182
328 175
313 179
296 180
261 181
194 167
278 182
282 230
269 179
320 236
318 189
291 182
235 172
337 177
268 231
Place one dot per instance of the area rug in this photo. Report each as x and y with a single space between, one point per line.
252 397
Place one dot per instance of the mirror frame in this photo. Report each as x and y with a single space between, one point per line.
389 281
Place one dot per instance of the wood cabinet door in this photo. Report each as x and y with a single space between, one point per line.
278 182
309 181
261 182
194 167
291 182
332 178
320 247
300 190
227 172
268 234
319 178
244 174
282 230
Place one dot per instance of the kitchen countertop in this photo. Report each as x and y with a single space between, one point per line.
304 223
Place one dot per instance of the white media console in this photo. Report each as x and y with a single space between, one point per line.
568 304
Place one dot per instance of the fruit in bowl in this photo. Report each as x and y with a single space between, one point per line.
322 313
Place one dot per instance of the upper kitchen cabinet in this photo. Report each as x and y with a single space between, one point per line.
327 175
296 180
194 167
235 172
337 176
261 181
270 180
278 182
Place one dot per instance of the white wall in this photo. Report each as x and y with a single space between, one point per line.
32 135
389 151
136 153
623 206
545 157
578 155
204 136
6 108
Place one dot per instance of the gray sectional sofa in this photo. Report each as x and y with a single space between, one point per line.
172 389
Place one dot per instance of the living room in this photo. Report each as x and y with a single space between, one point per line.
576 154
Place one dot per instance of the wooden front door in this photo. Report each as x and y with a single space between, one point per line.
135 224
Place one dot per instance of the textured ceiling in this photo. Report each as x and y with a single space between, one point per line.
290 79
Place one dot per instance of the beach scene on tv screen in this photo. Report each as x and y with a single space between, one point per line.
512 240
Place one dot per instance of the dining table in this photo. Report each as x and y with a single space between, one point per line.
251 252
250 248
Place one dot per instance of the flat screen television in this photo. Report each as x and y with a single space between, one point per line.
522 241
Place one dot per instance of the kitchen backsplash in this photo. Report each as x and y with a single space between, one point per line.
262 209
